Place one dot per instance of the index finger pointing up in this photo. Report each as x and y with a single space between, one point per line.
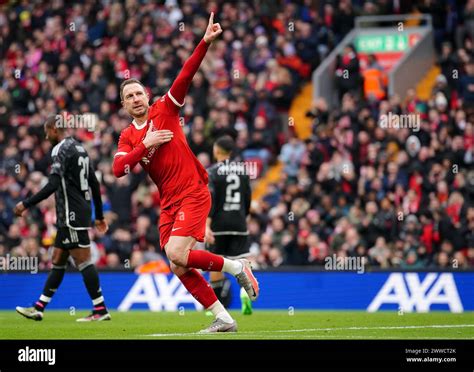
211 18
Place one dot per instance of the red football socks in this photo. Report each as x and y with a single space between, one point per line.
205 260
201 290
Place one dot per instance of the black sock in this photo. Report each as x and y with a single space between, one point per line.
222 290
91 280
52 284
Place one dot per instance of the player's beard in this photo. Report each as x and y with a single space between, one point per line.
140 111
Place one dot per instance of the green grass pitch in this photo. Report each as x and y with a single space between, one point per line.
260 325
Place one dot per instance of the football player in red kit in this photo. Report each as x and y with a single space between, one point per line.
156 140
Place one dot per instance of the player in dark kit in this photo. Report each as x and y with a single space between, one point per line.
70 179
226 227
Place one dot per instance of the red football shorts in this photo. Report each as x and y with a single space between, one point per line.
186 217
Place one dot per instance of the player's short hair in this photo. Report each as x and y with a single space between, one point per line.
225 143
55 121
50 121
129 81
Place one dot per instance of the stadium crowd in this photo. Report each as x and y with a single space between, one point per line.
397 197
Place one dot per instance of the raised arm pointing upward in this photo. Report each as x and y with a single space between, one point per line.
183 81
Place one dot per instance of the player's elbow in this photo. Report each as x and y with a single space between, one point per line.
119 173
118 169
54 182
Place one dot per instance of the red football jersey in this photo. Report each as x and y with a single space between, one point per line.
173 166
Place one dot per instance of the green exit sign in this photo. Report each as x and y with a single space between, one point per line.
381 43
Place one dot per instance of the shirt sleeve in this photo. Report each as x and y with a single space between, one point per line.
212 190
45 192
126 156
164 105
181 85
248 194
59 160
95 188
124 146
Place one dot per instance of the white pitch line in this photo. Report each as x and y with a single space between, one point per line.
338 337
175 334
376 328
320 330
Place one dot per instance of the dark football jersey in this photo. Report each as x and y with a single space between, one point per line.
231 197
71 162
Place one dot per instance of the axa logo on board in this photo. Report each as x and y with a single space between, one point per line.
158 293
412 293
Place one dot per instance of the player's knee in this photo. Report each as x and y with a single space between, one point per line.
81 265
59 261
174 268
178 270
59 265
177 256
